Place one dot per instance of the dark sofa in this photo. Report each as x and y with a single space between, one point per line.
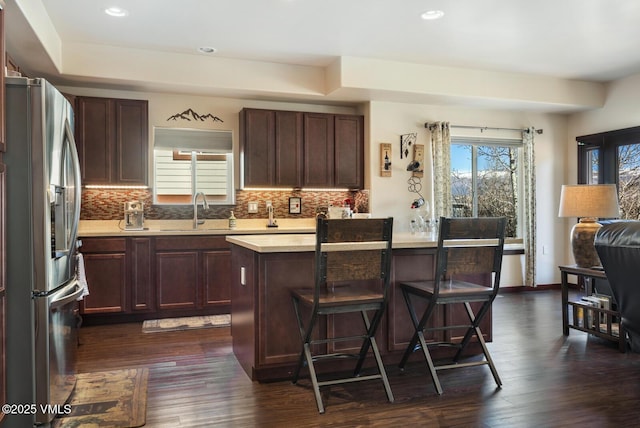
618 246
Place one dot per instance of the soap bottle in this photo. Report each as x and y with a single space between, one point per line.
232 221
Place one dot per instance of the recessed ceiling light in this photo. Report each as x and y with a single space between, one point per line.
116 11
206 49
431 15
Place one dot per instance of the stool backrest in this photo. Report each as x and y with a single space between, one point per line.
353 249
470 246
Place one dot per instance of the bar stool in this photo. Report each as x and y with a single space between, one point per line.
469 252
352 264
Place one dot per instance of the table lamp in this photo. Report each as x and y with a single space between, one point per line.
588 202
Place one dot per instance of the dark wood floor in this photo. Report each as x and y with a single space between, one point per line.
549 380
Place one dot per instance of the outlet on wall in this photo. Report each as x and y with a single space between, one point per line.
252 207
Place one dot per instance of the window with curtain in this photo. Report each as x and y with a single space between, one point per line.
613 158
486 180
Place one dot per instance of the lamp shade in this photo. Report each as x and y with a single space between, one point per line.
589 200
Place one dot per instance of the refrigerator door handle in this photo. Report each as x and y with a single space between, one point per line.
77 182
58 196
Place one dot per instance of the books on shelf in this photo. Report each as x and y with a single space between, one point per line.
600 302
596 319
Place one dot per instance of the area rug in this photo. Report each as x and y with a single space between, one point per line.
108 399
186 323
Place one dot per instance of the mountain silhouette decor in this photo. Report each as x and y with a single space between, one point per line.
190 115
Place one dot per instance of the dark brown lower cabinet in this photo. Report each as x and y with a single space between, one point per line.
217 278
193 272
143 298
177 279
134 278
266 340
105 261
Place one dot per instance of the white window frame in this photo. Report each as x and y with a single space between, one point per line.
474 142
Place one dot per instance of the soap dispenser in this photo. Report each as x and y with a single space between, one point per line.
232 221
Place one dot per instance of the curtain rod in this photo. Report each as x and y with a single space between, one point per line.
485 128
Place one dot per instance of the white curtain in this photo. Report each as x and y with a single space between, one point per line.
441 159
529 208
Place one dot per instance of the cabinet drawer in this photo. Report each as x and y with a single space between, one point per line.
103 245
170 243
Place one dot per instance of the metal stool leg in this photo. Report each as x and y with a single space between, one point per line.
475 320
370 341
314 379
432 367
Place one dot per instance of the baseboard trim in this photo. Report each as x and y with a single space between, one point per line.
540 287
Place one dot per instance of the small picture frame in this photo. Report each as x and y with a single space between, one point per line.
295 205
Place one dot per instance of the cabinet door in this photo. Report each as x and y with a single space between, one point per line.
177 280
257 139
318 150
112 140
131 142
217 278
142 295
349 148
288 149
94 139
278 338
107 279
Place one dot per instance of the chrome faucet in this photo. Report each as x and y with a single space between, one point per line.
196 222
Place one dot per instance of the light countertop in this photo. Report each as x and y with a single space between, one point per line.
97 228
291 235
288 243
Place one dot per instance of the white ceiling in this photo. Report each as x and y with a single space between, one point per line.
593 40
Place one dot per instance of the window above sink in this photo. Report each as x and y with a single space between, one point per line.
186 161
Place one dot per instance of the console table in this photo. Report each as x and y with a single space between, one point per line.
606 329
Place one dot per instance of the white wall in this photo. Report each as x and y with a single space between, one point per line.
390 196
621 110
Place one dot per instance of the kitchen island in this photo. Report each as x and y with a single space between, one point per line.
264 268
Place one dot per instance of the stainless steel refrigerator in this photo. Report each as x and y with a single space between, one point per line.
42 213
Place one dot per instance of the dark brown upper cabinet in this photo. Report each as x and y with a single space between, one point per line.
297 149
318 150
349 151
271 144
112 140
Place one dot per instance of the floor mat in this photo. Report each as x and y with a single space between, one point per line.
186 323
108 399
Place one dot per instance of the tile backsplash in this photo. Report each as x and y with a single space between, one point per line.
107 204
